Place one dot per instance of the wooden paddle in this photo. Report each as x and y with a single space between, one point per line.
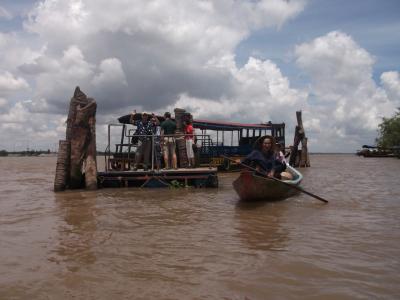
276 179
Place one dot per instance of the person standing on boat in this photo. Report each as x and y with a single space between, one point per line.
145 129
168 128
157 148
265 157
189 142
281 156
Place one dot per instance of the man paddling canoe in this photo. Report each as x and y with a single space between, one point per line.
265 158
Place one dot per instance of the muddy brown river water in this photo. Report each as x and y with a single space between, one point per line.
202 243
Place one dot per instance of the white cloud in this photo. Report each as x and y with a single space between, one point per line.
17 114
199 22
335 63
146 54
20 127
10 84
349 103
110 70
16 49
391 83
158 51
313 125
56 85
5 14
41 64
3 105
153 55
260 94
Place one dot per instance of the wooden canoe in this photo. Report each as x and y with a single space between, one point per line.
251 187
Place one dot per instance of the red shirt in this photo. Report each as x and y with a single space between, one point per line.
189 131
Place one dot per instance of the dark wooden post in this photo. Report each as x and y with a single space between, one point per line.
80 140
303 160
62 167
90 162
79 147
183 161
293 160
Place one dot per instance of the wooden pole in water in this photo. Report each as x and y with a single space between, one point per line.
90 162
293 160
80 146
304 158
81 138
299 137
183 161
62 167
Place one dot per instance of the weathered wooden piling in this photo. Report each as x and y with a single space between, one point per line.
81 140
180 140
299 158
91 163
62 168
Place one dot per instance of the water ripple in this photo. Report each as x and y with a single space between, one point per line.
200 243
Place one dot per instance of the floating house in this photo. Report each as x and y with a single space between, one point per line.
213 140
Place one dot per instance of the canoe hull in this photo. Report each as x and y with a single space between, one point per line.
251 187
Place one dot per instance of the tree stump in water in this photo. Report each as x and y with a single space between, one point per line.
81 137
81 140
294 152
304 158
62 167
91 163
299 159
183 161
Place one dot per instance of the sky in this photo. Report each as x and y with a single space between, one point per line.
242 61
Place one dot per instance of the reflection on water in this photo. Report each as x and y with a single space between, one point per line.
202 243
76 233
259 225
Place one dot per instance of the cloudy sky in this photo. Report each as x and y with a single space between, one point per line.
239 60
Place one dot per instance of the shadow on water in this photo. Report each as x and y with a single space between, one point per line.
77 229
259 225
252 205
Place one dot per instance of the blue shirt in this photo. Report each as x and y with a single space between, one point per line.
144 129
267 161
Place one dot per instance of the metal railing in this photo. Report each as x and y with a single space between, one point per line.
131 147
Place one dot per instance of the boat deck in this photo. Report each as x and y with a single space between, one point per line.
197 177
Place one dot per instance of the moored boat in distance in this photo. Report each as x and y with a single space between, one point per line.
374 151
251 187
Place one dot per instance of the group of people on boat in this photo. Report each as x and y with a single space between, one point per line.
164 142
266 157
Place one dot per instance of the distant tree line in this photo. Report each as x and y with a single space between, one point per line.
24 153
33 152
389 132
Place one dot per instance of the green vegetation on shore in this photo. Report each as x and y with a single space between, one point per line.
33 153
389 132
24 153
